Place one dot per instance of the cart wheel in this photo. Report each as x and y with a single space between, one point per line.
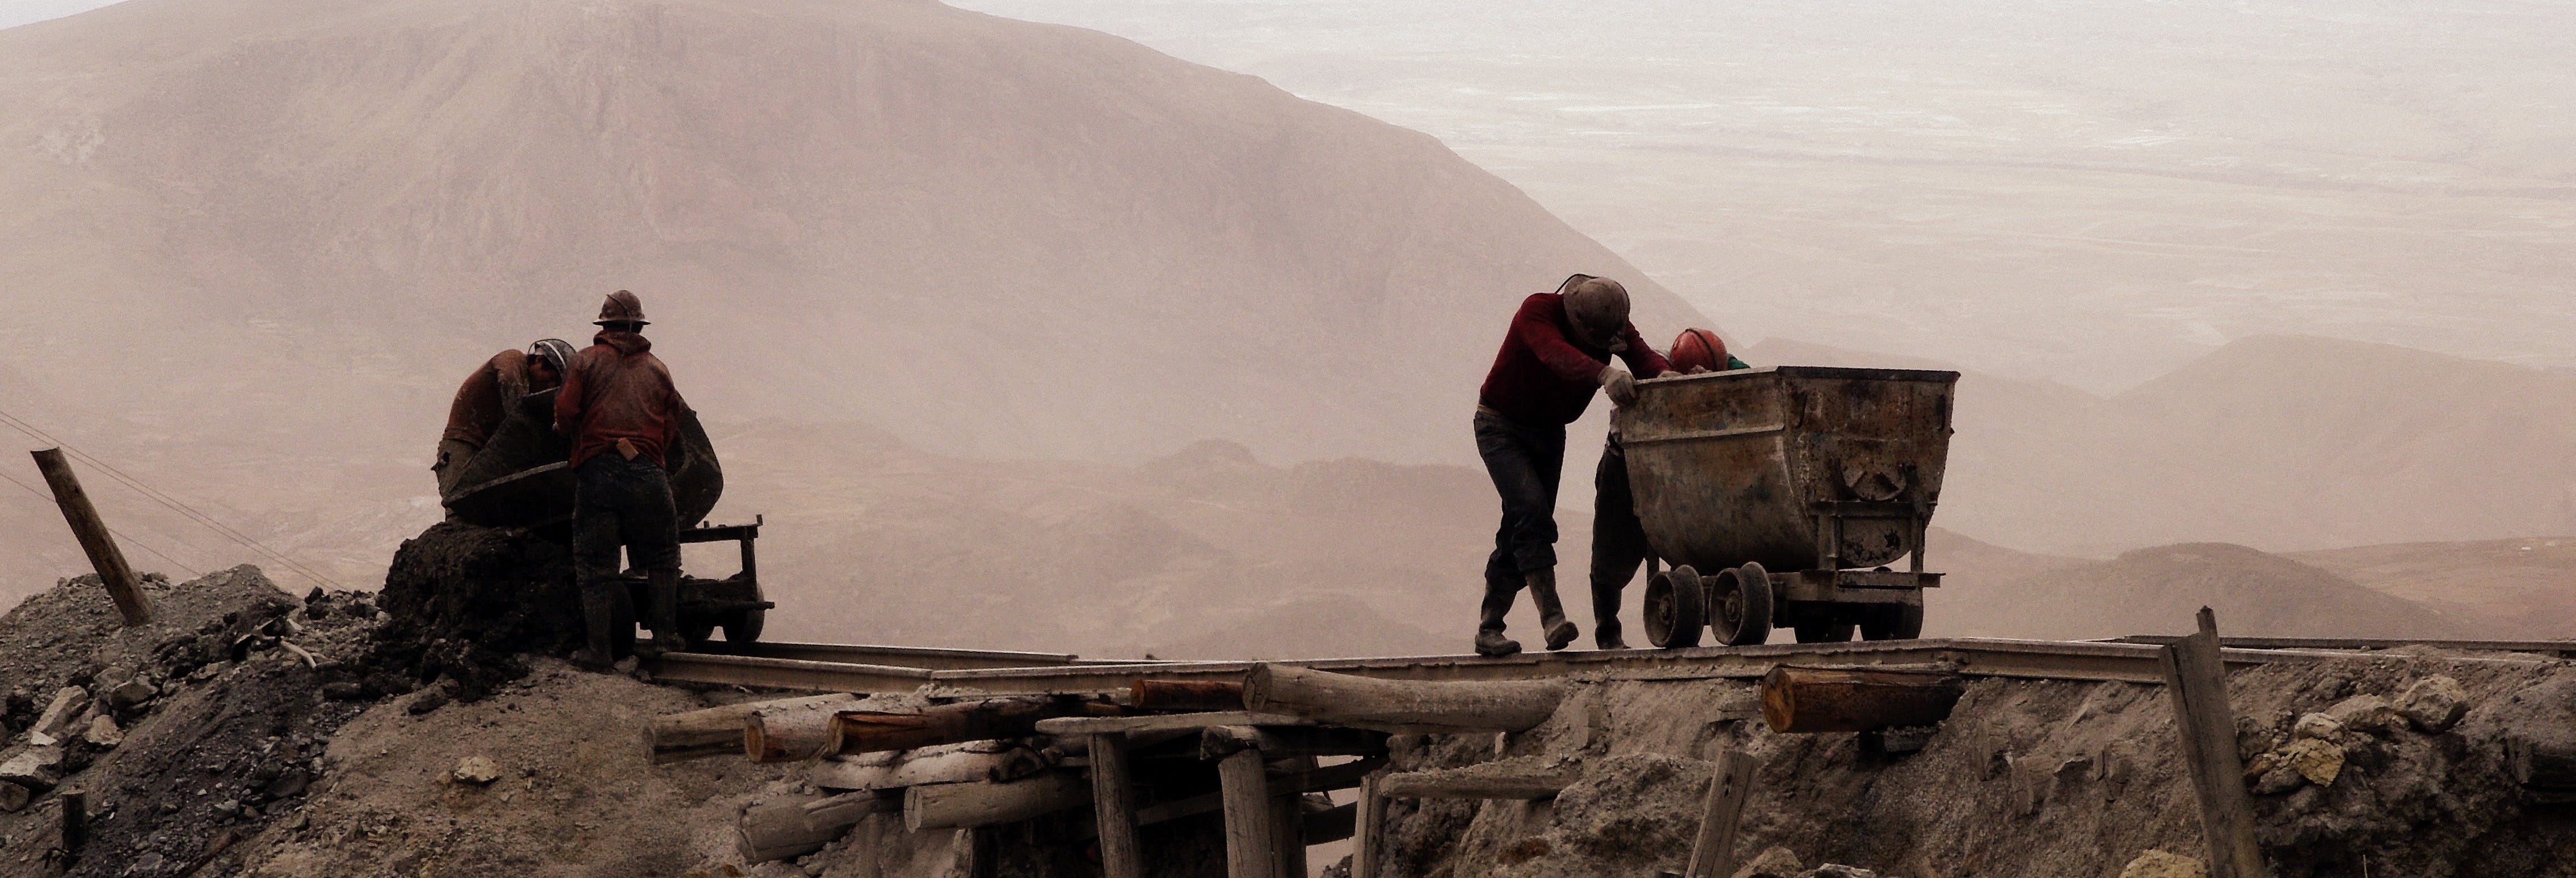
1892 622
1740 605
744 627
1824 632
696 631
1675 608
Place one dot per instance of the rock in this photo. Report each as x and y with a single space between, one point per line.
103 733
148 864
36 768
428 701
2280 779
1838 870
476 770
1776 862
111 676
13 797
344 691
2366 713
56 722
132 693
2434 703
2158 864
2317 727
2317 759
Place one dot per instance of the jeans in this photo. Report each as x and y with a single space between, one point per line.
617 502
1618 538
1525 463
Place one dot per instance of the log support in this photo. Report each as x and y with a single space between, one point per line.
1250 852
714 731
1400 705
1368 828
1856 699
1113 800
95 540
2197 677
1713 852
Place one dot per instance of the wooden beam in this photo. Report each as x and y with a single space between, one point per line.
951 763
1288 818
1856 699
2197 677
869 731
984 803
1368 828
1250 852
1190 695
1530 777
1114 801
714 731
1400 705
792 732
802 825
1326 827
92 532
1713 852
1284 741
1093 725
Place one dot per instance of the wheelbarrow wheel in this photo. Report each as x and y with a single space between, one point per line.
1675 608
744 627
1740 606
1892 622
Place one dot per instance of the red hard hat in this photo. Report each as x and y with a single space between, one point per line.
1698 347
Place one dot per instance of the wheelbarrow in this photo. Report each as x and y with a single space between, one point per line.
1780 495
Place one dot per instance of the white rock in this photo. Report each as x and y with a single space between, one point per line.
56 721
2317 726
2434 703
36 768
476 770
1838 870
2158 864
102 732
2366 713
1775 862
2317 759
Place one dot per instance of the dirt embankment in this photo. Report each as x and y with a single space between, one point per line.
2027 778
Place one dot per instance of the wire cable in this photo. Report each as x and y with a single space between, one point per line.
121 535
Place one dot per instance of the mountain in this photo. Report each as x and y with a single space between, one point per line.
2513 588
2157 591
299 222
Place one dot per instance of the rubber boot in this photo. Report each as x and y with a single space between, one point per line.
664 589
1489 626
1551 611
598 605
1605 615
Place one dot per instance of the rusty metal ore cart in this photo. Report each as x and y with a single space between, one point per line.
1779 496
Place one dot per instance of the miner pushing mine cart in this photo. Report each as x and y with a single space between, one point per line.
523 478
1780 496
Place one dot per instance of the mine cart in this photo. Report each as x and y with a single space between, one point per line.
1779 496
523 477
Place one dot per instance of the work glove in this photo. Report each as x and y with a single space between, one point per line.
1621 386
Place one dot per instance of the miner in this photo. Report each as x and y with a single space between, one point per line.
622 413
484 400
1555 355
1618 537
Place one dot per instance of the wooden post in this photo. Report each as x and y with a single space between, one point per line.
1115 804
715 731
75 814
2197 676
985 803
94 538
1367 831
1249 852
1401 705
1713 853
1288 820
1856 699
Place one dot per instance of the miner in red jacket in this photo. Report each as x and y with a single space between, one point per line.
1557 353
622 413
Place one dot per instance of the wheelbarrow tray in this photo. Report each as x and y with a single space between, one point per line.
523 477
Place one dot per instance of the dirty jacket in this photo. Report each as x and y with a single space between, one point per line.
1543 377
616 389
483 401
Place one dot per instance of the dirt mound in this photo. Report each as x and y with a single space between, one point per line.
466 601
2027 778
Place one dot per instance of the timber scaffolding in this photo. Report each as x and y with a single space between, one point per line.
982 739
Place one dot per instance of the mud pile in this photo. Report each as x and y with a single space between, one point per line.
2030 778
466 602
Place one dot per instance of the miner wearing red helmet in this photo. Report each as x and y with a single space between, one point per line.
1557 352
622 413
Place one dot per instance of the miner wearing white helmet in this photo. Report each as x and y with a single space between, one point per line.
485 400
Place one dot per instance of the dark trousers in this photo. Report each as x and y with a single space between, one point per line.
1618 538
1525 463
619 502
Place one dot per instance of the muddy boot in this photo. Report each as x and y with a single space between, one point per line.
664 590
1489 626
598 605
1551 611
1605 616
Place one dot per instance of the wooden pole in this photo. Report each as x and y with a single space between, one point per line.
75 816
953 763
802 825
1249 851
1114 801
1367 831
94 538
1512 779
864 731
1400 705
1713 853
1288 820
1218 742
1187 695
1856 700
2197 676
790 733
984 803
714 731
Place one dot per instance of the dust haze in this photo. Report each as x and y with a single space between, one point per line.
1173 313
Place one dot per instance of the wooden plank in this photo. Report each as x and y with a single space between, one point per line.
1190 695
1115 803
1288 818
713 731
1218 742
1796 699
1250 851
2197 677
1368 828
1400 705
984 803
1094 725
95 540
1524 778
1326 827
1713 852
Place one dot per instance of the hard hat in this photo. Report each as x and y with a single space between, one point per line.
555 351
1701 348
1598 306
621 307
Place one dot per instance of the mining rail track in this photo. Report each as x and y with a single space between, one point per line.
865 669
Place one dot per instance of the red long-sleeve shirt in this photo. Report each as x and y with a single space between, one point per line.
478 408
616 389
1544 377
